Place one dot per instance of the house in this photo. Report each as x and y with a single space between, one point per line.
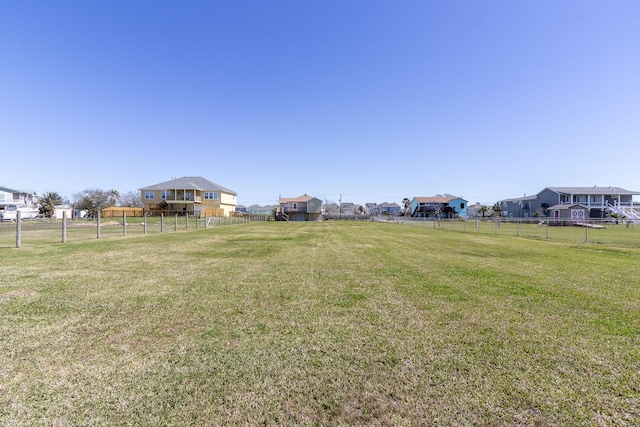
391 209
303 208
261 210
600 202
241 209
348 208
447 206
9 196
60 210
189 194
521 207
476 210
372 209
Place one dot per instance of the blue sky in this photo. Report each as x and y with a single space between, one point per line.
372 100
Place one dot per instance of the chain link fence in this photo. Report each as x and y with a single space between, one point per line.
610 231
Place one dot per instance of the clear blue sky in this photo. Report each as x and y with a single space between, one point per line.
374 100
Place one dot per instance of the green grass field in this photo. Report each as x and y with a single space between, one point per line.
328 323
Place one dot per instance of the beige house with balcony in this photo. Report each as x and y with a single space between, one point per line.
191 195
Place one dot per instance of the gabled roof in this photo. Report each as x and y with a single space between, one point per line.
389 205
592 190
437 199
189 183
301 199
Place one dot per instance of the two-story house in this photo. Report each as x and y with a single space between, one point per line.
391 209
599 202
303 208
189 194
9 196
439 207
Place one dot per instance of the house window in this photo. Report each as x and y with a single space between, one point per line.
148 195
295 206
461 205
164 195
210 195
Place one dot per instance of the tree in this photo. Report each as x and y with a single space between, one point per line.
131 199
48 203
406 207
483 210
93 200
497 209
114 195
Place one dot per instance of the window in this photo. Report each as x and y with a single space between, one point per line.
165 195
148 195
461 205
210 195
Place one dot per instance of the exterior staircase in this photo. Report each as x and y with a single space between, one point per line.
628 211
280 215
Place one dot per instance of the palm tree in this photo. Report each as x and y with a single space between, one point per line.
406 207
483 210
497 209
113 195
48 203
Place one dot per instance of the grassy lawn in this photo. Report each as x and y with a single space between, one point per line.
320 324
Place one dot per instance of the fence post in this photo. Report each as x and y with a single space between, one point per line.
124 223
18 229
98 232
586 230
175 224
186 220
547 231
64 226
161 222
144 223
518 227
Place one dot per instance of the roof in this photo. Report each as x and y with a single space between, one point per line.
520 199
437 199
593 190
189 183
11 190
566 206
304 198
389 205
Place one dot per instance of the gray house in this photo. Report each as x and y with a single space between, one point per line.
600 202
303 208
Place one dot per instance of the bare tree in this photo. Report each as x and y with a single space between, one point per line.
131 199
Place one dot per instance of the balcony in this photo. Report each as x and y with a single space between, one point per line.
180 198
